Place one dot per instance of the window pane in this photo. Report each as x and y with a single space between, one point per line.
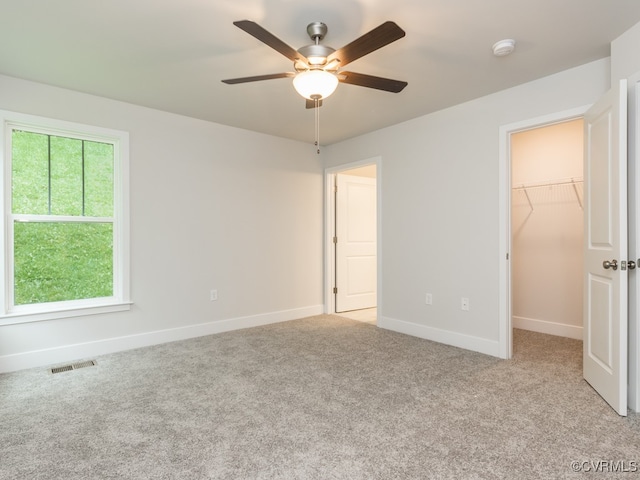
98 179
30 173
62 261
66 176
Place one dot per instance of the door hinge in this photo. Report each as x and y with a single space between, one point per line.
335 289
507 256
335 189
335 239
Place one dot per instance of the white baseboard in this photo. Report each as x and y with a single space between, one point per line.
468 342
550 328
68 353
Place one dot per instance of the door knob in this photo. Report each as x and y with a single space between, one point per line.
631 264
610 264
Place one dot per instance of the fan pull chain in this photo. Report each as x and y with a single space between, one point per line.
317 108
316 104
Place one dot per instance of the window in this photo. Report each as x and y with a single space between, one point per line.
65 202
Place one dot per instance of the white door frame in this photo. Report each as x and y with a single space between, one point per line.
505 340
633 173
329 223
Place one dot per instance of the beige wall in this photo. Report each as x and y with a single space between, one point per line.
368 171
440 206
212 207
547 229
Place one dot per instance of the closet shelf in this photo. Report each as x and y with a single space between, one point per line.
572 181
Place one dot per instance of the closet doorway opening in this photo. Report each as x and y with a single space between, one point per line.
546 164
352 253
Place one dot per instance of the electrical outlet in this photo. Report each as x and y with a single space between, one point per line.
464 303
428 299
214 295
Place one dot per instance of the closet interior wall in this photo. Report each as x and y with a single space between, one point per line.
547 229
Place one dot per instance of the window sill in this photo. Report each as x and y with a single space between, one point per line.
64 312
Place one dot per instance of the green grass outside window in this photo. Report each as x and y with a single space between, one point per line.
60 176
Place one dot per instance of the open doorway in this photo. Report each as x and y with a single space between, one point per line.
352 251
509 226
547 229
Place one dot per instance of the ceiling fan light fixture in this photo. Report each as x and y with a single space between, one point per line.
315 84
317 65
317 60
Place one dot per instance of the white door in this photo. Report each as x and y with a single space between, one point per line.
356 264
605 245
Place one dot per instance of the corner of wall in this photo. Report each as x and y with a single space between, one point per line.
624 54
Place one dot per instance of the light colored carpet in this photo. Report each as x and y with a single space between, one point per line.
318 398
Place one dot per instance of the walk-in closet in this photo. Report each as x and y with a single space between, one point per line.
547 229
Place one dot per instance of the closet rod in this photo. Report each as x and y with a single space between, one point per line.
572 181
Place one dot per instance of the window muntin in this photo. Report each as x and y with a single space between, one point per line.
54 175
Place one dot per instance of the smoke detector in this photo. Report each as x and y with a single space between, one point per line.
504 47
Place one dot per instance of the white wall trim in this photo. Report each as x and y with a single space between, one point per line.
476 344
67 353
550 328
505 339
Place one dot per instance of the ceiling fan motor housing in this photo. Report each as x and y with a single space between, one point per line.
316 54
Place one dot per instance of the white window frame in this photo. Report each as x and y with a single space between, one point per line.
120 300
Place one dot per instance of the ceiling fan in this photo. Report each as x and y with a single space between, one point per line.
317 67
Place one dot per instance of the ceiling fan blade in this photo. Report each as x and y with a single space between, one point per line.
312 103
252 28
380 83
377 38
257 78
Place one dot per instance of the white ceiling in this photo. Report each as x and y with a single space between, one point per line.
172 54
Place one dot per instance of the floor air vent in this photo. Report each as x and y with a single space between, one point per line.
73 366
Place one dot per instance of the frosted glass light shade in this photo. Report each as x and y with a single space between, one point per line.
315 82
